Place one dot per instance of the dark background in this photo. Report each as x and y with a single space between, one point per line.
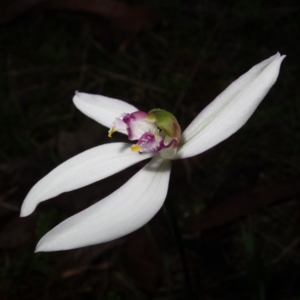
237 205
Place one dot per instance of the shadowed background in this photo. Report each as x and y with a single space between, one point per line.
237 204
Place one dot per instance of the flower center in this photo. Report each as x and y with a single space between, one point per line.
155 131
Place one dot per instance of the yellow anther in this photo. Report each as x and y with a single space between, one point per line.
111 131
135 148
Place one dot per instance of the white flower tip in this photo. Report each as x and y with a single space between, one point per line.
30 203
56 242
279 56
40 248
43 248
80 100
77 93
76 98
25 212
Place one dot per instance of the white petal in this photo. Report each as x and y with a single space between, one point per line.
81 170
231 109
102 109
125 210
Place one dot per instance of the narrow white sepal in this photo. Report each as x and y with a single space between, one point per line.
122 212
103 110
81 170
231 109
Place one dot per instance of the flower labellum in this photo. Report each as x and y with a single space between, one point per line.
156 131
158 136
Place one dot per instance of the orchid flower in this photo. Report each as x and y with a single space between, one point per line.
158 136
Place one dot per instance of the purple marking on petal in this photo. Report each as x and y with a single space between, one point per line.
173 143
137 125
149 142
136 116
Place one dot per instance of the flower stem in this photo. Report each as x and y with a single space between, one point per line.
169 210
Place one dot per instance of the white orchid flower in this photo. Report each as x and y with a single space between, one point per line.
158 137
